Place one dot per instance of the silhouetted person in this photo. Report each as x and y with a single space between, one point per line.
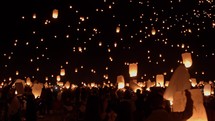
160 114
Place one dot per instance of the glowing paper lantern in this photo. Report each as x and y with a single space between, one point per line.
199 112
19 81
193 82
17 72
178 82
134 86
28 81
133 69
159 80
60 84
62 72
55 13
153 31
67 84
120 81
37 89
207 90
58 78
117 29
187 59
166 83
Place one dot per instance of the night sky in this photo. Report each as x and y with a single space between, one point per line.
83 39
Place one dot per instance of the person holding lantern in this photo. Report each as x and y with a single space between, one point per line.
159 112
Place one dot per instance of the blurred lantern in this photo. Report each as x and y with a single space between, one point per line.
133 69
34 16
166 83
187 59
46 85
193 82
207 90
62 72
37 89
199 111
153 31
28 82
67 84
159 80
60 84
55 13
120 81
148 85
17 72
117 29
58 78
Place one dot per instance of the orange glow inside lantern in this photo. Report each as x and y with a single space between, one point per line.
62 72
207 90
55 13
160 80
58 78
187 59
67 85
120 81
117 29
133 69
153 31
193 82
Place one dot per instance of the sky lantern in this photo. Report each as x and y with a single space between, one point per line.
120 81
28 81
133 70
179 81
17 73
199 111
55 13
58 78
62 72
117 29
159 80
207 89
34 16
153 31
187 59
193 82
67 84
37 89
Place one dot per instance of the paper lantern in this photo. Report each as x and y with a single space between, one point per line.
19 81
17 72
120 81
159 80
134 86
199 112
37 89
34 16
193 82
28 82
60 84
62 72
46 85
67 84
153 31
133 69
207 90
58 78
166 83
179 81
55 13
117 29
187 59
148 85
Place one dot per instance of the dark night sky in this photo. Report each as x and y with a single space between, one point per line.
89 46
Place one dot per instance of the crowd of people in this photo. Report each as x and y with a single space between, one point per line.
92 104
